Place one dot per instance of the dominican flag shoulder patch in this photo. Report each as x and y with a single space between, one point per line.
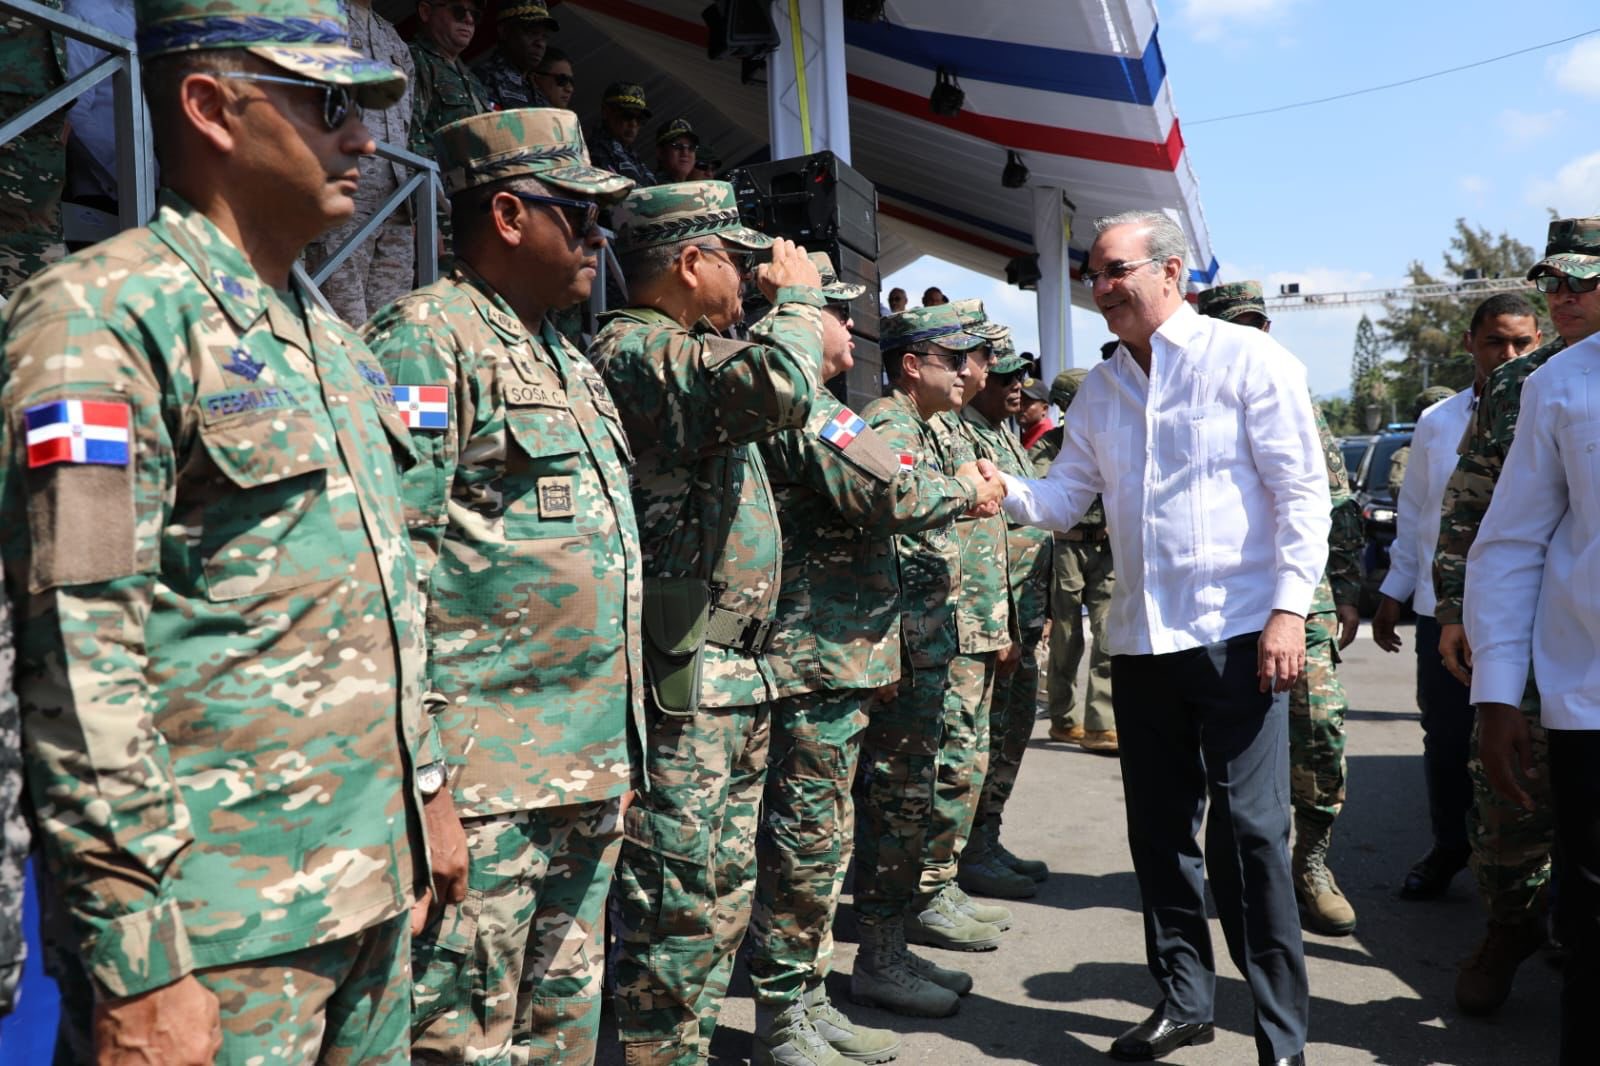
78 431
843 428
423 406
908 462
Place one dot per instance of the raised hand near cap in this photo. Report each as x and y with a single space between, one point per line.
789 266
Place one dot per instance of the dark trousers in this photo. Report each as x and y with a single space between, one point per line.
1575 789
1447 718
1191 724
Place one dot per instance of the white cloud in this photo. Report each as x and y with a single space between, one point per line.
1572 190
1579 70
1524 127
1473 184
1209 20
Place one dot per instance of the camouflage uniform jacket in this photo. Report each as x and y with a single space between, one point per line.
608 153
841 497
930 559
984 611
219 636
445 91
1467 494
1042 454
527 551
13 828
1028 548
506 86
1341 580
694 403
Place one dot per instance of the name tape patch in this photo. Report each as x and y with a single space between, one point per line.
238 401
843 428
78 431
423 406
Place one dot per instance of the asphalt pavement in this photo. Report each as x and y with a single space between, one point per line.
1070 974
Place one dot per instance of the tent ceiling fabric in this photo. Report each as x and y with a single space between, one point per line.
1079 89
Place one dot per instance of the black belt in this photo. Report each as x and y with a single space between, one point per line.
1092 534
730 629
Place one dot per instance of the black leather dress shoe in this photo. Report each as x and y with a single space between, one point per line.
1430 878
1298 1059
1156 1036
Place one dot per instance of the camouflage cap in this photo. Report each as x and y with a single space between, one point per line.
1034 389
309 38
1572 248
627 95
976 320
1430 396
539 142
1066 386
832 287
1229 301
938 324
529 11
678 127
1008 362
661 214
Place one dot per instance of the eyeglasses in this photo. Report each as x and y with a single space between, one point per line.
462 13
957 360
1009 378
679 146
336 99
564 81
737 258
581 215
1551 283
1116 272
841 311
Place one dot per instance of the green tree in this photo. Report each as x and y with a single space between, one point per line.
1341 415
1427 333
1368 380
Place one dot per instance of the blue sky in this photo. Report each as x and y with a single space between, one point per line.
1344 195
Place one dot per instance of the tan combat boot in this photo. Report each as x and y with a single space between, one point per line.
786 1037
1322 905
1484 981
852 1040
885 977
942 922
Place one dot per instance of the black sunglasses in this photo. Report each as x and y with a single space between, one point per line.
565 81
581 215
957 360
1551 283
336 99
738 258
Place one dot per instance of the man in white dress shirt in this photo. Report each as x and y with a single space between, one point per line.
1200 437
1532 576
1504 327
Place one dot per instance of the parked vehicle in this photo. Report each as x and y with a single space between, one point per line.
1370 483
1354 448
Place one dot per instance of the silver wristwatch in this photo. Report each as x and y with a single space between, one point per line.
430 779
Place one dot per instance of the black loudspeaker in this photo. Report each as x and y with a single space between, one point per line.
742 29
813 199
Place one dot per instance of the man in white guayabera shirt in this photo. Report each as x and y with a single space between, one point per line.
1200 437
1533 594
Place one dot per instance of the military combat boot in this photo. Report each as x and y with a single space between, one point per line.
957 981
860 1043
885 976
786 1037
1484 981
1032 869
987 913
942 923
982 872
1322 905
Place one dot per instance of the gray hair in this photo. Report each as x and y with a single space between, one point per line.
644 265
1164 239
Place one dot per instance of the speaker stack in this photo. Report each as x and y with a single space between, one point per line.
820 202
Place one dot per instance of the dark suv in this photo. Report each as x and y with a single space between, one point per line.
1370 483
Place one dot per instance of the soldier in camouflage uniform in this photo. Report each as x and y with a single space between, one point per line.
842 493
13 828
506 70
522 489
1083 578
988 867
33 165
694 404
218 630
946 677
623 110
1317 702
1510 845
445 89
382 268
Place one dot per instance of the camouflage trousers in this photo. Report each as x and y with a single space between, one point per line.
379 270
343 1003
1510 846
513 973
1083 578
33 169
685 879
1011 716
1317 706
804 845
